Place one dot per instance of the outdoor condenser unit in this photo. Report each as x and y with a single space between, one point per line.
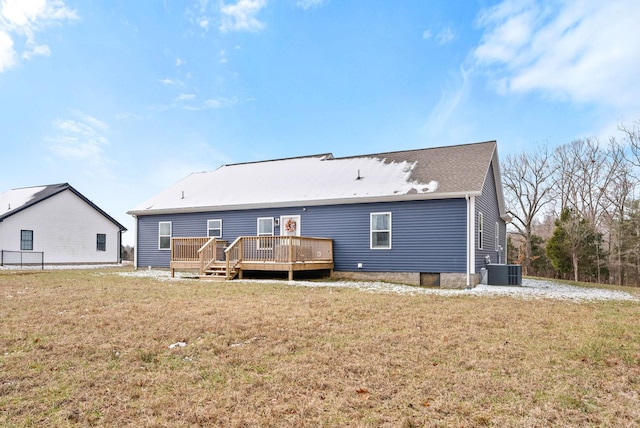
504 274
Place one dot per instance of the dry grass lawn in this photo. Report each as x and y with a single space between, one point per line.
92 348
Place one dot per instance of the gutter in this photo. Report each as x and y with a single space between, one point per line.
302 203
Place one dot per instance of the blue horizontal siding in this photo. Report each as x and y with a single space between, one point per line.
427 236
487 204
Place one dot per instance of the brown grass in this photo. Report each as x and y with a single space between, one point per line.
86 348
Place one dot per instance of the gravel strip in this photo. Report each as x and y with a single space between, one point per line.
530 289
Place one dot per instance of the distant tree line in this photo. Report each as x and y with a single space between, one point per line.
575 209
126 252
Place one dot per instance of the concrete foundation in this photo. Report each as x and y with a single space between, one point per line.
447 280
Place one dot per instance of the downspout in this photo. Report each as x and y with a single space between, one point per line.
506 249
119 254
466 197
135 241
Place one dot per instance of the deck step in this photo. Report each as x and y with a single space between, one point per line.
218 273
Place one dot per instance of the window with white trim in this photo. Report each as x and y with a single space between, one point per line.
480 231
214 228
380 227
265 228
164 235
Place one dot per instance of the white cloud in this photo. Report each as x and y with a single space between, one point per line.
33 13
210 104
448 103
20 20
445 36
38 50
185 97
167 82
79 139
577 50
7 54
308 4
241 16
180 62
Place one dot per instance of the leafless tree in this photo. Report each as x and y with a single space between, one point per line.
631 135
618 196
528 181
586 171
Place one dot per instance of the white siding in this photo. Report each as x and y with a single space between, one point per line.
65 227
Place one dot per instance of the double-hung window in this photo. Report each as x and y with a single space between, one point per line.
101 242
380 227
214 228
164 235
26 240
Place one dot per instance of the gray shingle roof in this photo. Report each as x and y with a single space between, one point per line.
457 169
431 173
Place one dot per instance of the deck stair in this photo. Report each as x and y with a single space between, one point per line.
216 259
218 271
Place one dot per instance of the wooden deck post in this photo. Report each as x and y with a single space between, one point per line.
291 259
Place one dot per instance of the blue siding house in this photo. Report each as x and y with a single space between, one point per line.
425 217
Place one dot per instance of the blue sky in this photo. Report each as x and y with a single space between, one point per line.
123 98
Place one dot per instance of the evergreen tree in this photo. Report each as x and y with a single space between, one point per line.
557 249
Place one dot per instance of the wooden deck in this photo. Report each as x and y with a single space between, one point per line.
214 258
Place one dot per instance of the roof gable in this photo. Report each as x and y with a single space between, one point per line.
17 200
430 173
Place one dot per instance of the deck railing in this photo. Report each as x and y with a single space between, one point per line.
203 252
281 249
186 249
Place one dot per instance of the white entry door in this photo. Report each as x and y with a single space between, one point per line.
290 225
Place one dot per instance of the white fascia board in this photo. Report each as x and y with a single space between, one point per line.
309 203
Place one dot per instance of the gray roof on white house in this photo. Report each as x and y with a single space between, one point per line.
430 173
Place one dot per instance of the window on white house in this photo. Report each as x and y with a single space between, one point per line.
164 235
214 228
380 227
480 231
101 242
26 240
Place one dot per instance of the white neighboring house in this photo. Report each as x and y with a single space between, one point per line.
59 221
